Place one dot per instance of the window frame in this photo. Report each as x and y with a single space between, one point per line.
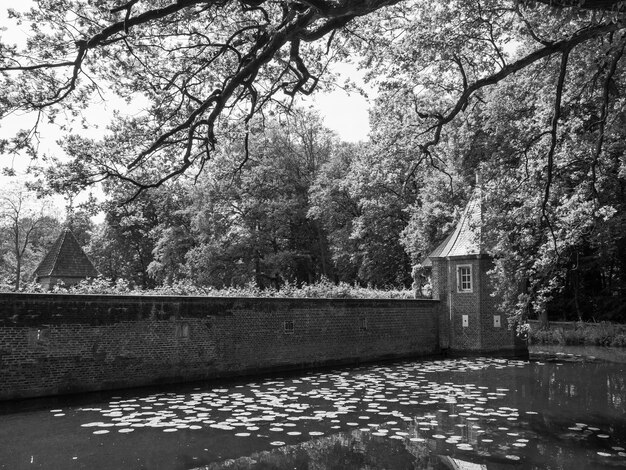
289 327
459 279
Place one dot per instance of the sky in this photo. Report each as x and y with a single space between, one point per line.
345 113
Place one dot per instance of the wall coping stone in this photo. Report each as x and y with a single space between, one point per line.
191 298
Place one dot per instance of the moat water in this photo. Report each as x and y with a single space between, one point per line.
556 411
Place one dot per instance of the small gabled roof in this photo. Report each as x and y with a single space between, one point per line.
466 239
66 259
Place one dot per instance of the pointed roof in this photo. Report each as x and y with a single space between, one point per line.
66 259
466 239
427 263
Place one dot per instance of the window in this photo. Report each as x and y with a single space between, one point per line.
43 334
182 330
464 278
363 326
38 336
288 327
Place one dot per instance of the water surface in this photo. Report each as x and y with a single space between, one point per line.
440 414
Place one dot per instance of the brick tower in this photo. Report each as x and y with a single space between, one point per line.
470 321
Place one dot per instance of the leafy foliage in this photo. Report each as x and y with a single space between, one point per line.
533 101
27 228
531 95
323 289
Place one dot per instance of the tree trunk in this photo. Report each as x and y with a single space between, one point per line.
576 302
18 273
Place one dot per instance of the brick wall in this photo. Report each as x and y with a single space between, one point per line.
439 279
52 344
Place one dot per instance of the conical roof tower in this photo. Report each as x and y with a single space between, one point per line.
470 319
66 261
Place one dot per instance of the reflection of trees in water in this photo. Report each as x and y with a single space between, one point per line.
596 388
349 450
360 450
616 390
570 393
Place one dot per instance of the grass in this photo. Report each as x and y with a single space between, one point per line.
590 334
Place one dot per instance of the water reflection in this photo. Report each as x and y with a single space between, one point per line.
457 413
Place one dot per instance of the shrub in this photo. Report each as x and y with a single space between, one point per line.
321 289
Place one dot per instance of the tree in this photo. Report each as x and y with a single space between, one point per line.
25 225
205 69
552 164
250 221
203 66
121 247
360 197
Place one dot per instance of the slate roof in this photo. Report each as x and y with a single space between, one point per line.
66 259
466 239
427 263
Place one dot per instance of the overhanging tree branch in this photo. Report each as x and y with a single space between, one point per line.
535 56
237 66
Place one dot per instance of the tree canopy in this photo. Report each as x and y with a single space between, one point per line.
203 68
531 94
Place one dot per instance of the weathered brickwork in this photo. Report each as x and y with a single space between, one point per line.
440 291
494 338
480 334
465 338
52 344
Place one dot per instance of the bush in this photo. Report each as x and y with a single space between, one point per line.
321 289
